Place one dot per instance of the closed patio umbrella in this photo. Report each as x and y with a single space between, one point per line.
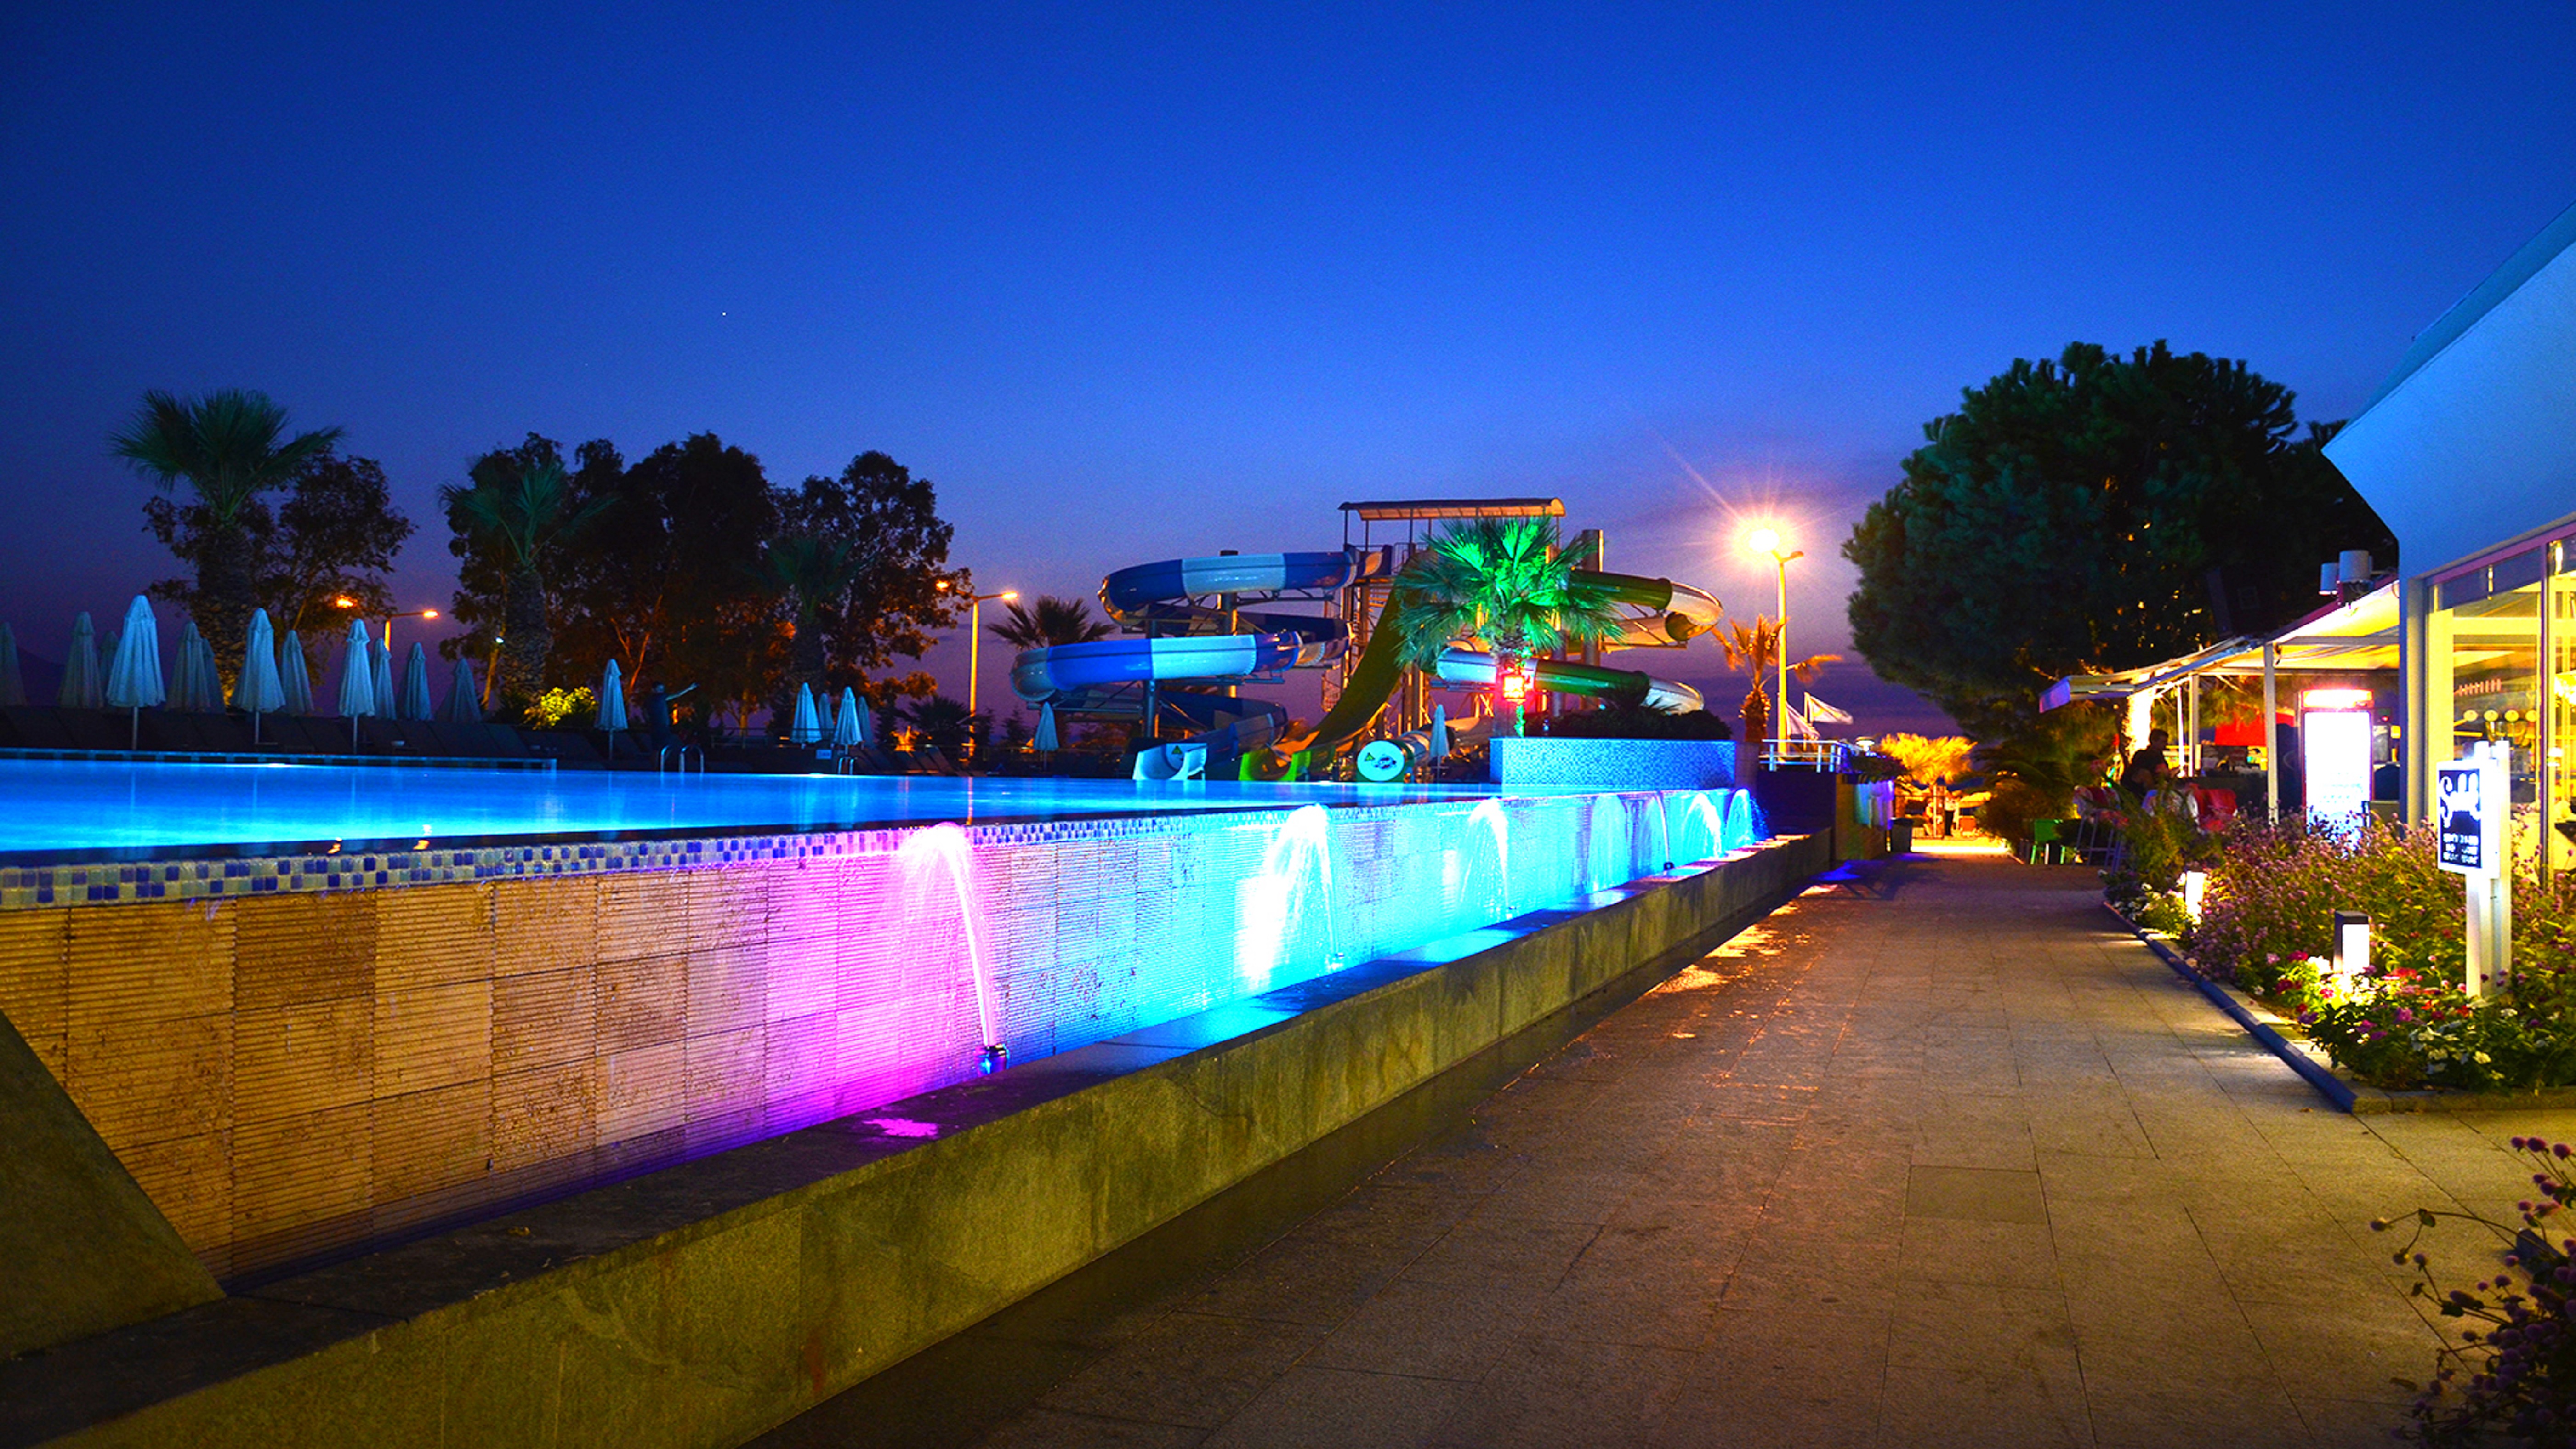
464 697
612 703
357 678
134 678
13 685
294 677
845 726
258 690
210 676
380 663
186 694
81 683
805 729
415 687
867 723
1045 741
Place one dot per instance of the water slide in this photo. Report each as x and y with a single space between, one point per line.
1203 635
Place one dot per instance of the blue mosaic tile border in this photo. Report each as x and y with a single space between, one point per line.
31 887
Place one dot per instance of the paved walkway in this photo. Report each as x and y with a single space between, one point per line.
1943 1159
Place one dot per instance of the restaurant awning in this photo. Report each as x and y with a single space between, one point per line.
2339 637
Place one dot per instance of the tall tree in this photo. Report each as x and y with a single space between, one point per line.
229 447
811 575
2095 513
517 519
334 536
1049 622
670 583
889 520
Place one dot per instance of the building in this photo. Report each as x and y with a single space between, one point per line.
2468 451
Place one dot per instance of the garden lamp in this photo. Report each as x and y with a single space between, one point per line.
2195 886
2351 947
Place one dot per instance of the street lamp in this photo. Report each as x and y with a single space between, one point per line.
975 650
343 601
1766 541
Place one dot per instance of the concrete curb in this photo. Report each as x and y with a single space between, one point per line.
703 1303
2258 1023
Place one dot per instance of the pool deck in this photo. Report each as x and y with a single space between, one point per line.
1936 1156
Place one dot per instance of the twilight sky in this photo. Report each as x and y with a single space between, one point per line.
1136 283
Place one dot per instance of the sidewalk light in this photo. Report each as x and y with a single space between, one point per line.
2351 948
2195 886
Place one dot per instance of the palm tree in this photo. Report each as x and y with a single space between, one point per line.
526 515
225 447
813 574
1050 622
1504 584
1756 651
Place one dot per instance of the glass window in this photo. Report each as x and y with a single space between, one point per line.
2494 658
2561 590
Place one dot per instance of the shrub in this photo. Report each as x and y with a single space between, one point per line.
2403 1029
2516 1371
557 705
2273 892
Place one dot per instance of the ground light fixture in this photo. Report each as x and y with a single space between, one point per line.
2351 948
2195 889
1765 540
975 649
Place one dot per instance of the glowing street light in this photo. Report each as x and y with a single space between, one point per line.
975 650
1765 540
343 601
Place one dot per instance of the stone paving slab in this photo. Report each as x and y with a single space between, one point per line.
1937 1156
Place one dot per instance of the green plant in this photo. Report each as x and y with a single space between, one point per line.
1505 584
1755 649
2035 768
2516 1371
553 707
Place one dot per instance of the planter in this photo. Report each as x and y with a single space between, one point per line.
1614 764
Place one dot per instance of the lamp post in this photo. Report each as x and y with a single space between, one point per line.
343 601
975 651
1766 541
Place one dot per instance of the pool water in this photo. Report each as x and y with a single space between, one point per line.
56 808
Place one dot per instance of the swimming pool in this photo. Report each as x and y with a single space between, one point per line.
68 809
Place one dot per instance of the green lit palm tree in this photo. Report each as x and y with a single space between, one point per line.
1755 649
526 514
813 574
226 447
1049 622
1505 585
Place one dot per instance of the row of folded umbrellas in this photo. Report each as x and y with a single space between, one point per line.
273 678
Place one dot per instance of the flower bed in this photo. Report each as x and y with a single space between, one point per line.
2265 926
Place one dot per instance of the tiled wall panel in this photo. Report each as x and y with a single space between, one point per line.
299 1056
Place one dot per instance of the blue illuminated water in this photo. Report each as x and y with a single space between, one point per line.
63 806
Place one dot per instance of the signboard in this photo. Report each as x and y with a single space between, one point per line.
2469 809
2334 752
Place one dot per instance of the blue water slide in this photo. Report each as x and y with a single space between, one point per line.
1199 627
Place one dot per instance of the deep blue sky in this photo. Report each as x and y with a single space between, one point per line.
1173 280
